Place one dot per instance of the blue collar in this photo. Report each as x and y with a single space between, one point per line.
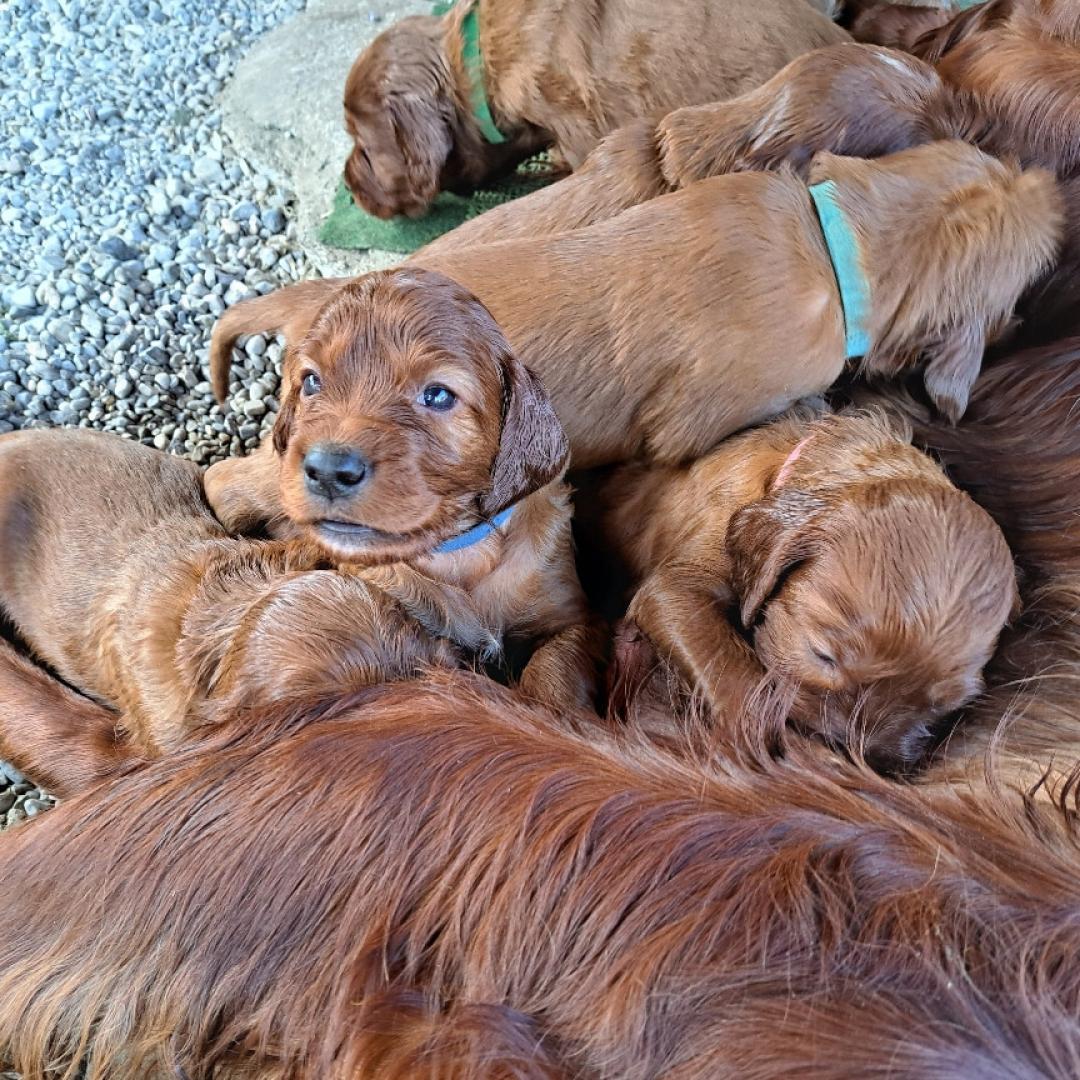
475 534
843 248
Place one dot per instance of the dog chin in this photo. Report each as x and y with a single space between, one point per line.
361 542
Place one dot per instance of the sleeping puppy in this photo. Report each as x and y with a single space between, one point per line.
411 441
667 328
445 103
823 554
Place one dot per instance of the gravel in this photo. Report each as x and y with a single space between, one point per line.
127 225
19 798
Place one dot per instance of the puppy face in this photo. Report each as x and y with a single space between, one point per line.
879 606
399 116
406 419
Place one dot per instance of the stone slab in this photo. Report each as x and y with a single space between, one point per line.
283 111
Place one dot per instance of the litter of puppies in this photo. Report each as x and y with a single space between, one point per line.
667 581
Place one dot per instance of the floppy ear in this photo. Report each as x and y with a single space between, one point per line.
532 448
932 45
424 141
952 366
766 540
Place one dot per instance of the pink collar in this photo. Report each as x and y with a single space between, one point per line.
785 470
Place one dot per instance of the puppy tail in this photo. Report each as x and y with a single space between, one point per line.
65 741
289 311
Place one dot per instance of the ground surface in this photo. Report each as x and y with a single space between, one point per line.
283 110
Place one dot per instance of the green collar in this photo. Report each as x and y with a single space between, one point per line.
843 248
474 69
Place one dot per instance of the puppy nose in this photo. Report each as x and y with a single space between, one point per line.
334 471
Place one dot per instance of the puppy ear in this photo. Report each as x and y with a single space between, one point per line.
952 366
424 142
532 448
766 540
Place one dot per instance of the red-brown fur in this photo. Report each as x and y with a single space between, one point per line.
430 475
854 100
828 556
555 75
1014 64
114 572
463 888
656 339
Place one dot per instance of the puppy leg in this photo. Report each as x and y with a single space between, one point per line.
245 496
289 311
444 611
680 609
621 172
562 671
856 101
65 741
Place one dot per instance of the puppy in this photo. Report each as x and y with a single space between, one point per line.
678 322
462 888
411 440
830 556
853 100
445 103
114 573
1014 62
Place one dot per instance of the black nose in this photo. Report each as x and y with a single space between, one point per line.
334 472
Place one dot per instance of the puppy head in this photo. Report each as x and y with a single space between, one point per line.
878 592
400 116
406 419
949 238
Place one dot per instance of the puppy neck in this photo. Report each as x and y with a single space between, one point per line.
786 469
477 534
854 285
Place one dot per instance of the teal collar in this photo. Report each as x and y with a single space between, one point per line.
473 60
843 248
475 534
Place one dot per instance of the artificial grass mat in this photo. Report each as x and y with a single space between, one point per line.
351 228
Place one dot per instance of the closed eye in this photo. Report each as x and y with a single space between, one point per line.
824 658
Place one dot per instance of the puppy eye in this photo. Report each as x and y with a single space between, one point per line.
311 384
438 398
824 658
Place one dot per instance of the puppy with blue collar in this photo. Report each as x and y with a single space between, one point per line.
414 446
418 518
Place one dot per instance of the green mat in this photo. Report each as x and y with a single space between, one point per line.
350 228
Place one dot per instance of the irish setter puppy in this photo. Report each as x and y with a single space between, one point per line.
824 553
471 890
114 572
435 437
1014 63
854 100
655 339
444 103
